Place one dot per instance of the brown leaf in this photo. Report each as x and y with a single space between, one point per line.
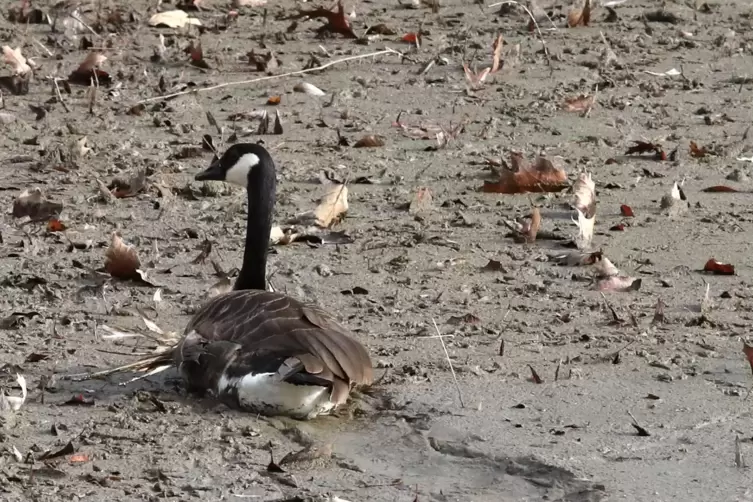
122 260
696 151
475 79
274 100
422 202
337 21
197 55
543 176
748 351
35 206
579 15
88 71
579 104
641 147
535 376
121 189
332 206
497 54
370 141
721 189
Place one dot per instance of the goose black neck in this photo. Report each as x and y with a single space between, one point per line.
261 201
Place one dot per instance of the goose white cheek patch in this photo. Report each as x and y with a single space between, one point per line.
238 174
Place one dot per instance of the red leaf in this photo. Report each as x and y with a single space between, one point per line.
748 351
720 188
618 228
719 268
410 38
626 211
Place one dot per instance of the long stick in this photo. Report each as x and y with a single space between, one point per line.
447 354
270 77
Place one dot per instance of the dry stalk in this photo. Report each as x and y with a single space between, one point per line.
272 77
538 29
447 355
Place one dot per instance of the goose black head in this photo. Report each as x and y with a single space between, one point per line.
236 164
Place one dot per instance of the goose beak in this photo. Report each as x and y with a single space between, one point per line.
212 173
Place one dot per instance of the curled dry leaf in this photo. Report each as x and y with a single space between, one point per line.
309 89
522 177
122 260
422 202
88 71
696 151
332 206
337 21
719 268
497 54
121 188
14 403
626 211
16 60
619 283
585 230
34 205
720 189
579 14
173 19
369 141
475 79
675 203
584 191
748 351
581 103
641 147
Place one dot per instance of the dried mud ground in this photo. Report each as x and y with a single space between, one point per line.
409 439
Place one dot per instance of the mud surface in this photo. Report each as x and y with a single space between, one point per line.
684 380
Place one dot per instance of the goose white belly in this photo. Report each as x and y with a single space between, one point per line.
265 393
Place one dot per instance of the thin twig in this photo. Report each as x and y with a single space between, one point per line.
593 102
452 370
270 77
59 95
538 29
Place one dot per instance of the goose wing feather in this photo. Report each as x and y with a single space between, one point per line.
273 325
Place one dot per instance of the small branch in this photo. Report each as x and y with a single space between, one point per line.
447 355
271 77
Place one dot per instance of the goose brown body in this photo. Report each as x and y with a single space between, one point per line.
264 351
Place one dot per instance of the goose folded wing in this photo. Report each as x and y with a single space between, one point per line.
279 329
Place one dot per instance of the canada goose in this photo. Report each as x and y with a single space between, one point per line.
261 351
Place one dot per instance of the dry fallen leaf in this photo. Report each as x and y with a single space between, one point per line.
14 58
522 177
122 260
619 283
370 141
173 19
332 206
337 21
719 268
579 14
582 103
122 188
585 230
309 89
422 202
475 79
497 54
35 206
696 151
14 403
88 71
748 351
584 190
